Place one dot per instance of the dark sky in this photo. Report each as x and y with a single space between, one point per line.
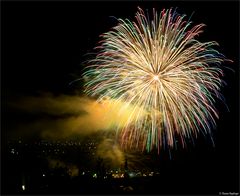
43 47
45 43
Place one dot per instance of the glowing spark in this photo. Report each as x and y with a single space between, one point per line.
158 68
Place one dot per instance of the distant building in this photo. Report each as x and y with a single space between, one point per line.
126 171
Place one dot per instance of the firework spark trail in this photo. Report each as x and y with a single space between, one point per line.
159 68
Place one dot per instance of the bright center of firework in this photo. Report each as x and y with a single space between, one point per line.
155 77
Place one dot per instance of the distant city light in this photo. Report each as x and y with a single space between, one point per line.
118 175
23 187
131 174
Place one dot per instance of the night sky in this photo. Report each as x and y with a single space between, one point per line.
44 45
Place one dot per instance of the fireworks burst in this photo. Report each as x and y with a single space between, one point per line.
157 67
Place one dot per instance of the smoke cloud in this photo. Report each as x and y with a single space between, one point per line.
62 116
